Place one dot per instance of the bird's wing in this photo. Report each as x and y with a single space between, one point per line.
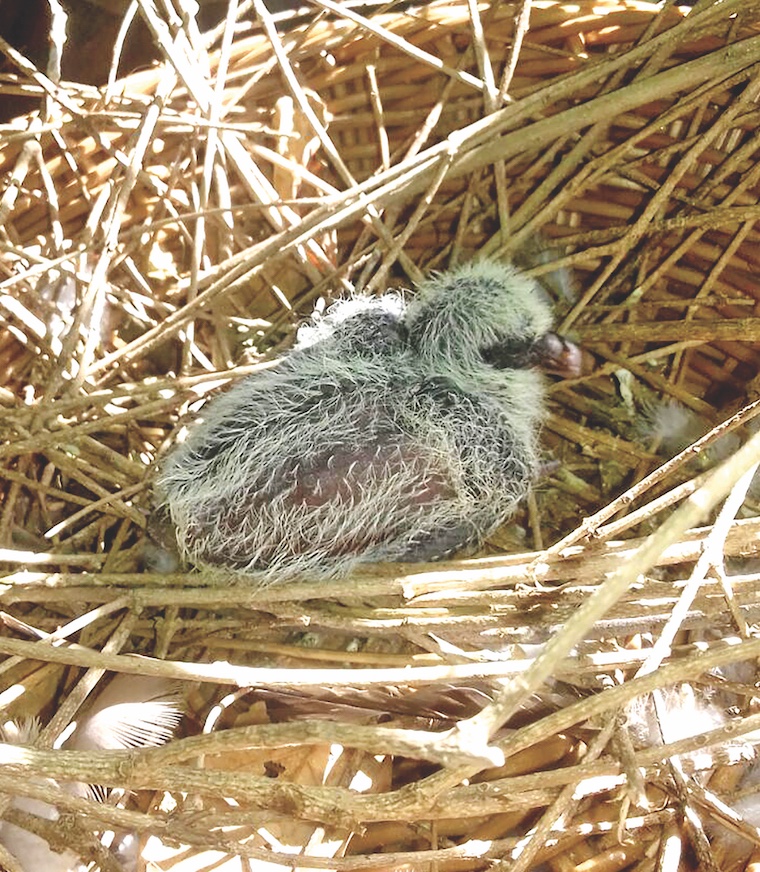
406 473
346 481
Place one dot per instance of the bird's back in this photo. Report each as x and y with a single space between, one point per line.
355 449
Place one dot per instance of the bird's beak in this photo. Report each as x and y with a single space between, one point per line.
557 355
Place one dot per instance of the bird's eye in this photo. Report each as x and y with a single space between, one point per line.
510 354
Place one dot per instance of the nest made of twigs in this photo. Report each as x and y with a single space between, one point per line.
163 233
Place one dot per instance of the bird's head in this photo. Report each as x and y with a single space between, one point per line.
485 317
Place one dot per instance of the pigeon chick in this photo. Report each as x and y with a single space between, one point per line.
394 430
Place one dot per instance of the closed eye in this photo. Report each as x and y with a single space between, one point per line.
511 354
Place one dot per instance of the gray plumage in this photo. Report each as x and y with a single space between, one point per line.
394 430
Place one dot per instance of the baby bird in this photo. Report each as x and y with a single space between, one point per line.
393 431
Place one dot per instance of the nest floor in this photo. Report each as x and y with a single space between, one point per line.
579 696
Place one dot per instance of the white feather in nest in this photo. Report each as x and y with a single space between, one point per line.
132 712
674 427
33 852
683 712
688 711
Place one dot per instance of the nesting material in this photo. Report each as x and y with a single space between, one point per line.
163 236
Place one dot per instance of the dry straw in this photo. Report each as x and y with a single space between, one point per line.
538 706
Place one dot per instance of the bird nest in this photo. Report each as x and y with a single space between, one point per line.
579 696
